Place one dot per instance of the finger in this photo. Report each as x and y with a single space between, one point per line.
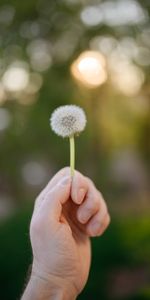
90 206
97 225
54 180
79 187
55 198
57 177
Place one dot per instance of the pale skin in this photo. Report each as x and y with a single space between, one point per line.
67 213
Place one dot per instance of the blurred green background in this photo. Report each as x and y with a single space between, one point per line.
44 63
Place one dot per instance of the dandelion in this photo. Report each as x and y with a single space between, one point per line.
68 121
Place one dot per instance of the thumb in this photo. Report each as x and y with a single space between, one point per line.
55 198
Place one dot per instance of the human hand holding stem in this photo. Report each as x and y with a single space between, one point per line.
66 214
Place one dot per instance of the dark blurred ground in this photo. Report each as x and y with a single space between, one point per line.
43 64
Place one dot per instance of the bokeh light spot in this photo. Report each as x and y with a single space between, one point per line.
7 13
34 173
91 15
90 68
15 78
39 53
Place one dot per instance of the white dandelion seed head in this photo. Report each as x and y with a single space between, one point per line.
68 120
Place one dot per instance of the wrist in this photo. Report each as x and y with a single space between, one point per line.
54 287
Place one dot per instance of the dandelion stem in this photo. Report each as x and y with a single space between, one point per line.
72 155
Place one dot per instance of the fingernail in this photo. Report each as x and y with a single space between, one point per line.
80 195
65 181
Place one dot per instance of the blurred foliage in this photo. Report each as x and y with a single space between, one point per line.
39 40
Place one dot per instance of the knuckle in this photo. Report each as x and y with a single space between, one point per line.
103 207
96 203
91 205
91 183
89 180
100 198
94 198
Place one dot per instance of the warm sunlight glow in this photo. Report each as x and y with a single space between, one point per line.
90 68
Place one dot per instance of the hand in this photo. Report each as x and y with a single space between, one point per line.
67 212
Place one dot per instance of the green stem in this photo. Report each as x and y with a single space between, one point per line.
72 155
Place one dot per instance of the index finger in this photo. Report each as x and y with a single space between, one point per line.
53 181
